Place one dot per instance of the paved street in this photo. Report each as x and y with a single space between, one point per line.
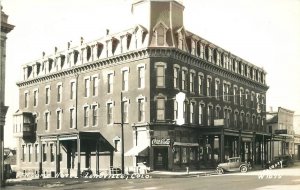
287 179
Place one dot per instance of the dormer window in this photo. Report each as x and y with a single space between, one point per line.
160 31
160 36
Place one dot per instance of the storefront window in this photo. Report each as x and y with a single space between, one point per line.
184 155
192 154
176 155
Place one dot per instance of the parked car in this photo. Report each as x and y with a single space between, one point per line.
233 164
280 161
8 172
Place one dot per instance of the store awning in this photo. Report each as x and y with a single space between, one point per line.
137 151
185 144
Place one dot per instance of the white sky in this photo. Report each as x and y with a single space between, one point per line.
263 32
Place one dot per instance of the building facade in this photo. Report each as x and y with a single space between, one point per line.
183 101
281 124
5 29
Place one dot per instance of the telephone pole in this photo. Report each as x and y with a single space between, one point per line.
122 133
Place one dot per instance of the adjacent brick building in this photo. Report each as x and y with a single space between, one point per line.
186 101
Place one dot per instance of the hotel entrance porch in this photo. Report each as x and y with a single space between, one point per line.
75 152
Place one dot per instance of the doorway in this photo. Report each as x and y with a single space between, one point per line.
161 158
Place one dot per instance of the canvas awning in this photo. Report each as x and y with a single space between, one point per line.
141 150
185 144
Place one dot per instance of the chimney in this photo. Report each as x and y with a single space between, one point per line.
107 32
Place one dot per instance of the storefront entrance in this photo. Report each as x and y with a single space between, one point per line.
160 158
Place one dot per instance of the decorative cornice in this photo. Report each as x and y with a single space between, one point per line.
149 52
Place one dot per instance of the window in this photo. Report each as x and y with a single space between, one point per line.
109 113
26 100
125 111
263 108
125 80
23 153
117 144
141 110
192 112
35 97
36 152
253 122
192 78
226 92
176 77
73 91
201 117
51 153
95 86
95 115
44 152
235 119
217 89
110 83
217 112
184 79
47 121
58 119
86 87
160 109
29 153
200 84
218 58
235 94
242 97
59 93
208 87
227 117
248 121
247 98
202 52
160 76
209 116
141 77
160 32
242 120
210 56
85 116
72 118
185 111
47 95
252 99
175 115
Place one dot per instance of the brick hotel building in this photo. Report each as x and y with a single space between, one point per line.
186 101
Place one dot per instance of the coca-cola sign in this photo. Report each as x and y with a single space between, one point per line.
160 142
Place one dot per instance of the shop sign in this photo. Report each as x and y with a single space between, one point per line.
160 142
219 122
281 131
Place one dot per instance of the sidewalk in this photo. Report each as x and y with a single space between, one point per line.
204 172
167 174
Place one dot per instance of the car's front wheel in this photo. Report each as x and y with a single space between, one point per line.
243 169
220 170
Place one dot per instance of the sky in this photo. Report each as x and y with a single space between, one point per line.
265 33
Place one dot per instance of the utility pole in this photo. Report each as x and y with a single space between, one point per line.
122 133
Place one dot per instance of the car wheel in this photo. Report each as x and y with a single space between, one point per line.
243 169
220 170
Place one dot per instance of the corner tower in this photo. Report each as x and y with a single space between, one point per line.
161 18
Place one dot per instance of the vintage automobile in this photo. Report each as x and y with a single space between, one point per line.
280 161
233 164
